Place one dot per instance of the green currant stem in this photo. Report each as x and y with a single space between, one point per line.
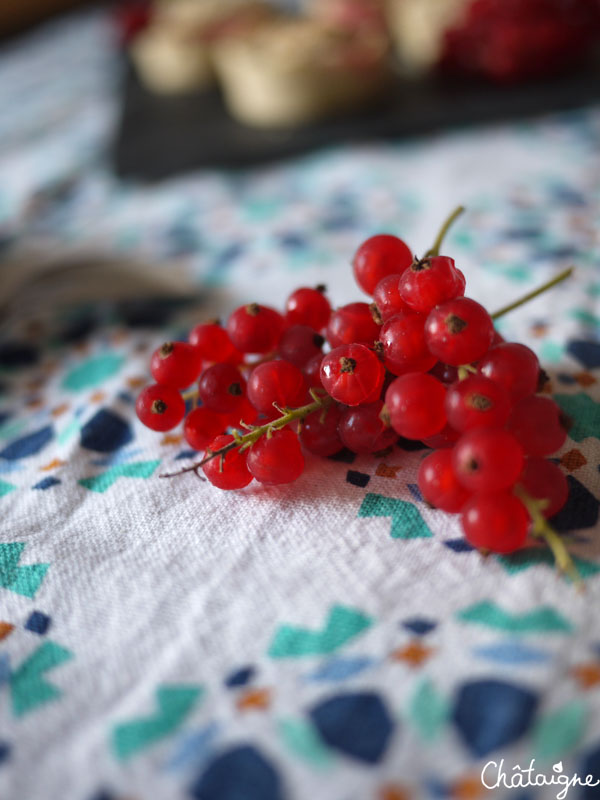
254 433
530 295
465 370
435 250
543 530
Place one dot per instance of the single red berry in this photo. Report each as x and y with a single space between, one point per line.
308 307
444 372
487 459
299 344
201 426
312 371
429 282
319 433
403 344
228 471
386 297
459 331
276 459
160 408
377 257
362 429
352 374
496 521
446 438
415 404
276 382
544 480
255 329
221 388
539 425
514 366
352 324
461 281
213 343
477 402
175 364
438 482
245 412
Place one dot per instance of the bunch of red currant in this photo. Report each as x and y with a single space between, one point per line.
512 40
421 362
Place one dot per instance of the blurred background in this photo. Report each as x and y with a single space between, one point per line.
101 101
238 82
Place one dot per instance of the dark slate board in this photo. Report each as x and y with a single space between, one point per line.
161 136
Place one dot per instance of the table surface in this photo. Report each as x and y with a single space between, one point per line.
159 136
335 639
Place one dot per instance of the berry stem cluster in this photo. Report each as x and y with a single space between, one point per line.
421 361
320 402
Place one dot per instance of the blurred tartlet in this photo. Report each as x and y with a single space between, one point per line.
359 16
293 72
174 52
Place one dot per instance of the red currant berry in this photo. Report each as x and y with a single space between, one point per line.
221 388
514 366
415 404
362 429
160 408
404 346
352 374
487 459
477 402
387 297
319 433
245 412
496 521
444 372
446 438
438 482
308 307
201 426
228 471
377 257
538 424
544 480
213 343
352 324
429 282
459 331
175 364
276 459
255 329
299 344
276 382
461 282
312 371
